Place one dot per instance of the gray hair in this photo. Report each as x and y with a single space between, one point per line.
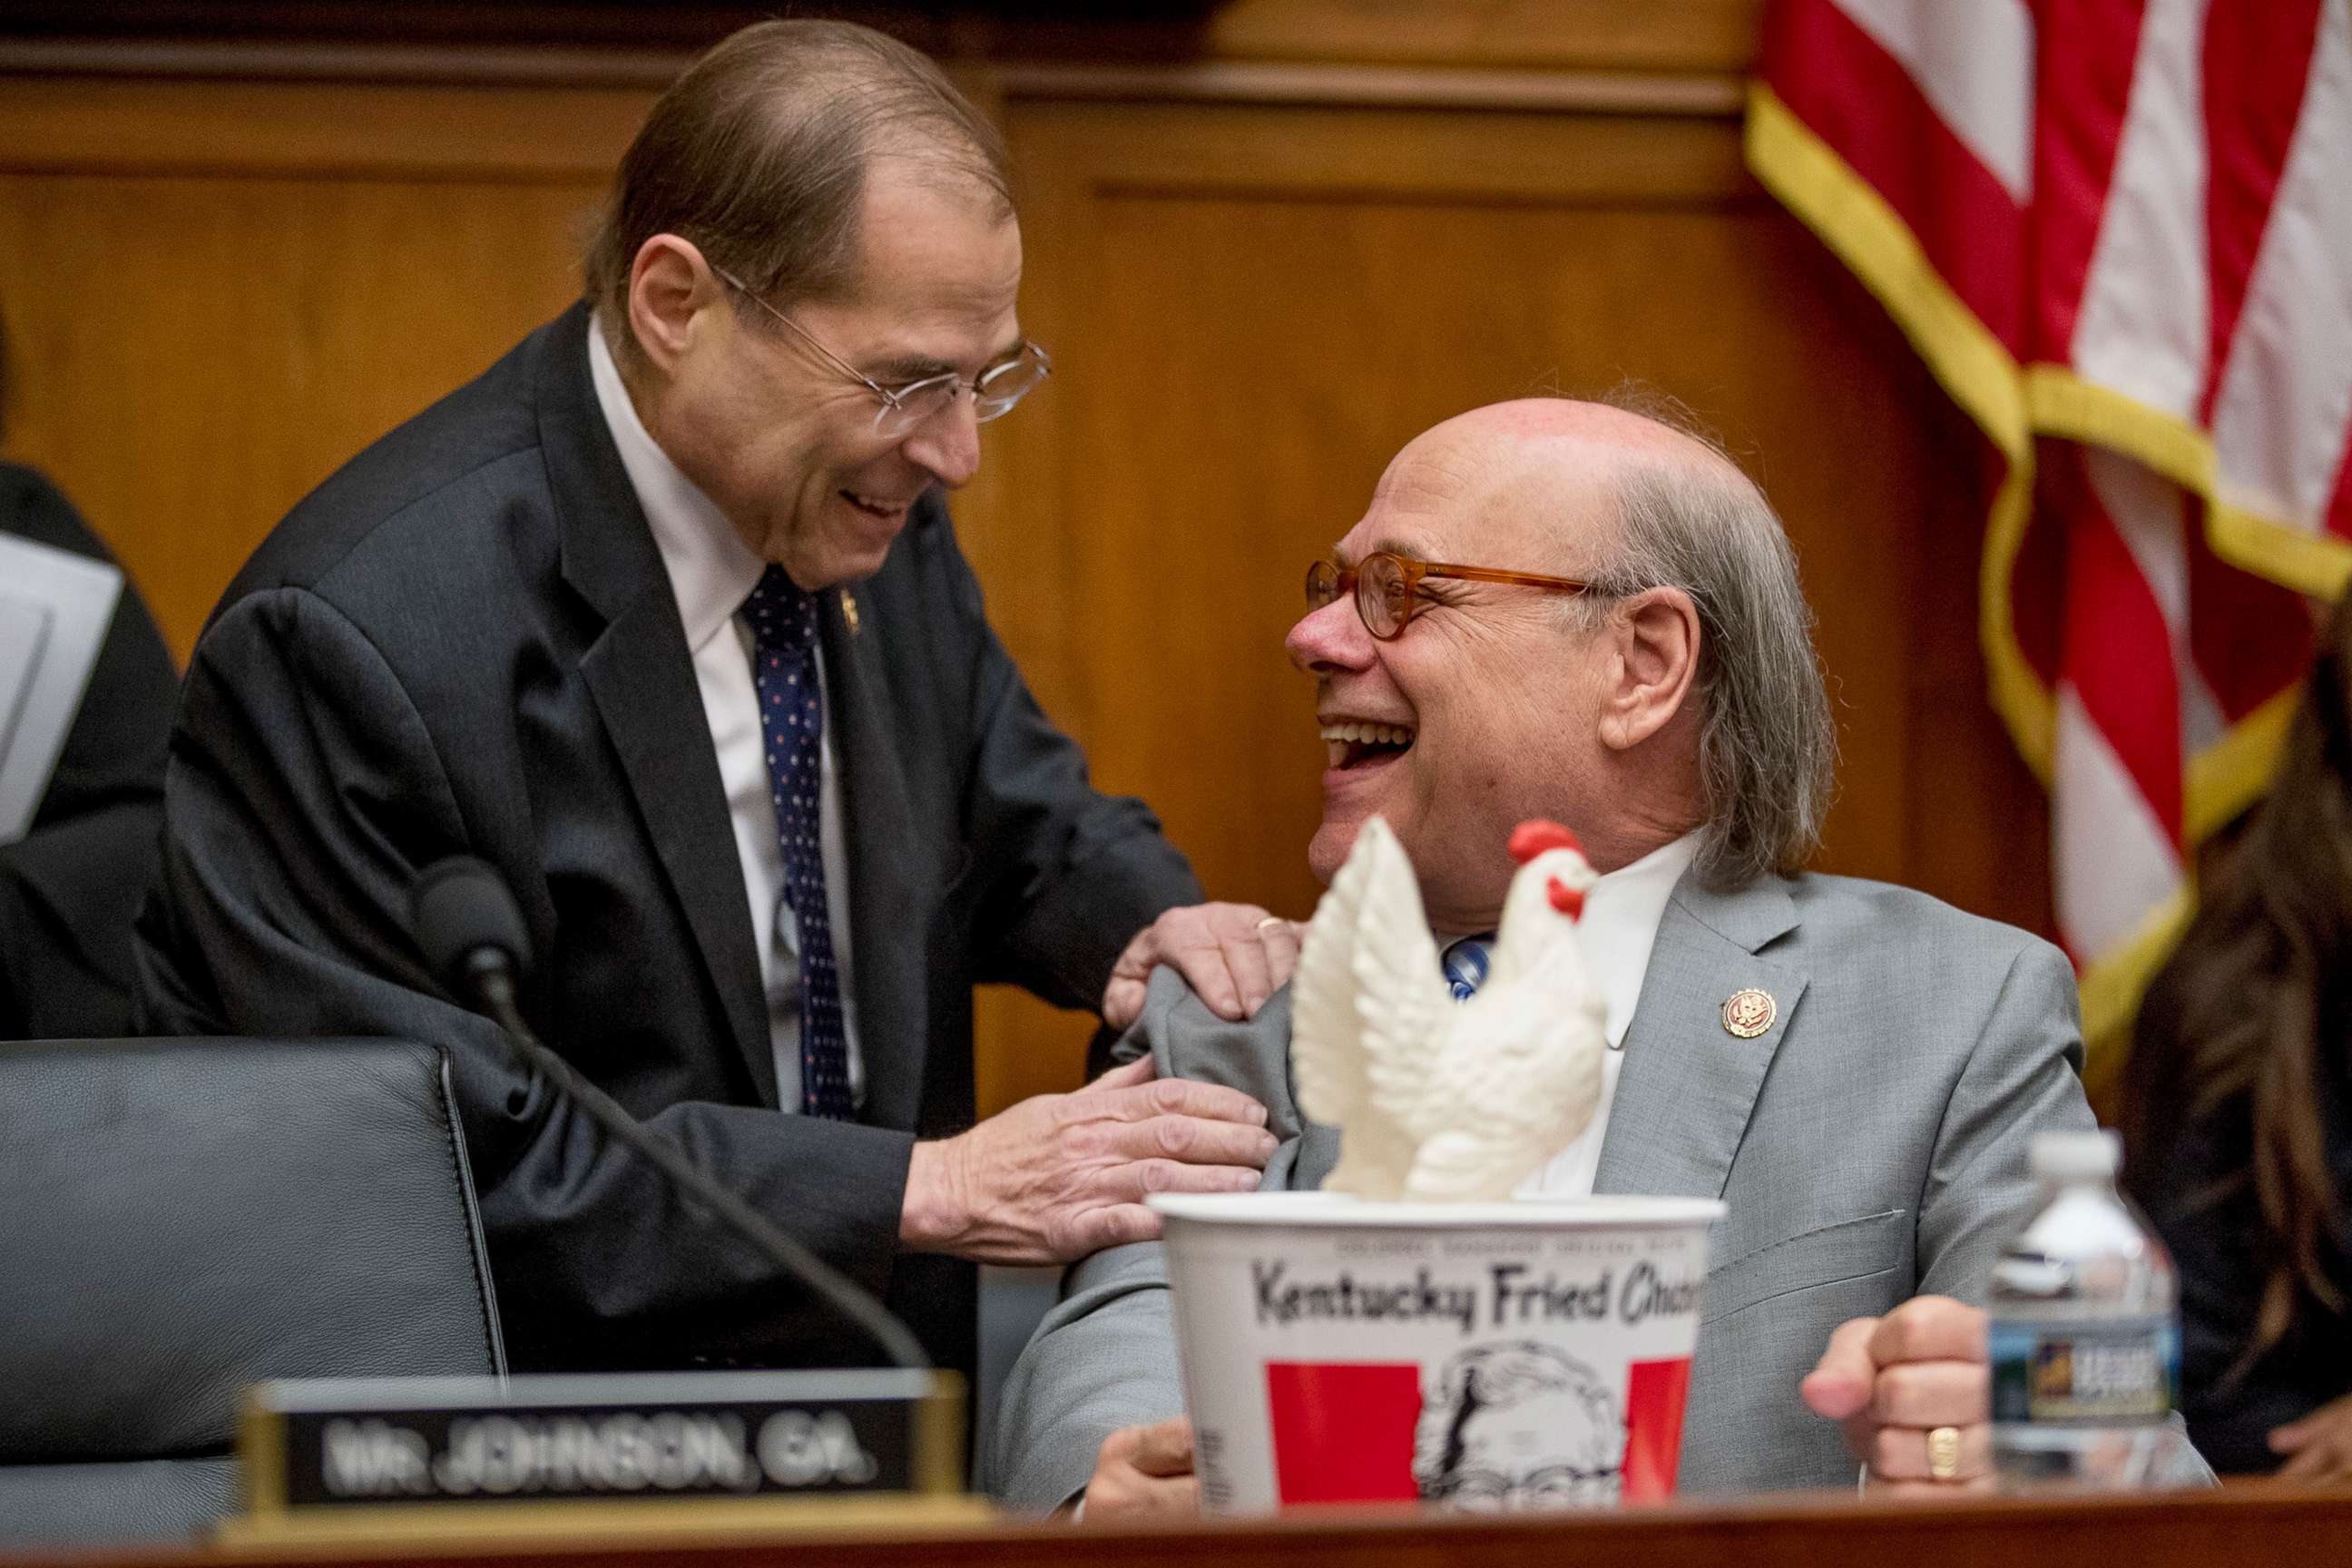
1768 743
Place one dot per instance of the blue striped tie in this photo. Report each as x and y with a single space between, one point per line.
1465 962
791 723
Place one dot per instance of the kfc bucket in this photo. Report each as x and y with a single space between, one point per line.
1531 1353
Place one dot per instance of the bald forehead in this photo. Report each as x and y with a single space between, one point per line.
1536 477
1533 433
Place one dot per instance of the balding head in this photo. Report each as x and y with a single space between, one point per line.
1557 466
1679 692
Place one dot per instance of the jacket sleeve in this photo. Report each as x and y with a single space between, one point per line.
2024 1077
1105 1357
1070 873
302 796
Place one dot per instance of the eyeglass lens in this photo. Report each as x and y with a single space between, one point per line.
1383 592
993 398
1383 597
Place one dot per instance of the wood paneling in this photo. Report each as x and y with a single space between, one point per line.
346 130
1268 242
194 354
1679 35
216 293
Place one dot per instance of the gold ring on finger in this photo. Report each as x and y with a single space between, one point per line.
1271 921
1944 1453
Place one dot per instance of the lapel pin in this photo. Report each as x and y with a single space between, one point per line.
1749 1013
849 610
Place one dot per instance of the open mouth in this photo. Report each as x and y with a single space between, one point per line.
1358 746
886 511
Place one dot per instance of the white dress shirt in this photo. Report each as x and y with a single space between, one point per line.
1618 929
711 572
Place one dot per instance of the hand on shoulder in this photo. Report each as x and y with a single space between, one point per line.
1233 956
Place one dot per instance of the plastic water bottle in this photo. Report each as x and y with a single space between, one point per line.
2085 1334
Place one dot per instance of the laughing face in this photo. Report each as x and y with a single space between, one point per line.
1481 713
786 444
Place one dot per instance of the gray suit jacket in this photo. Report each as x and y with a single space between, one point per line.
1870 1144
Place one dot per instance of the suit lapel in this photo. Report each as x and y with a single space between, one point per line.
641 678
1687 1085
886 918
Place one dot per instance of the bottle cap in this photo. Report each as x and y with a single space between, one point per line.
2074 1156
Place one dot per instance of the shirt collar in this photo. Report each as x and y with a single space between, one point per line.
1619 926
712 570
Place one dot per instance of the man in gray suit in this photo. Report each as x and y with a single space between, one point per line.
1854 1069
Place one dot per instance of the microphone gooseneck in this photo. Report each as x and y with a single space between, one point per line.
472 937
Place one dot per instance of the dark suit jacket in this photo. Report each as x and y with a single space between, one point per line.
71 886
465 641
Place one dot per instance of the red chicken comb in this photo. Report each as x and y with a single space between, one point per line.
1535 837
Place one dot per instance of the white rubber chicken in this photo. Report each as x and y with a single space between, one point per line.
1438 1100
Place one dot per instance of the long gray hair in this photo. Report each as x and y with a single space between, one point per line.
1768 743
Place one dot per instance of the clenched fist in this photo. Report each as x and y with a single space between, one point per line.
1893 1380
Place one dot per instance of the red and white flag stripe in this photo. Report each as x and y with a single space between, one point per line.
2120 231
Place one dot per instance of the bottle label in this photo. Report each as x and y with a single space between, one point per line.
2069 1373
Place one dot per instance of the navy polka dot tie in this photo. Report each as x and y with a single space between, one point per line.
791 723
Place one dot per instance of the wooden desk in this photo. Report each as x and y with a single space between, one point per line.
2243 1526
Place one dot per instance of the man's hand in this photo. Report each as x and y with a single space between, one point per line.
1145 1473
1233 955
1061 1175
1894 1380
2319 1446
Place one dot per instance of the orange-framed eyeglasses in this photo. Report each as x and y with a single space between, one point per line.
1387 586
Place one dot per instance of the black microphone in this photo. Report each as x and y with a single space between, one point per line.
472 937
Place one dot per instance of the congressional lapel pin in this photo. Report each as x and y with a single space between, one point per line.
849 610
1749 1013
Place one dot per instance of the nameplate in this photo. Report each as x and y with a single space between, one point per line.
453 1443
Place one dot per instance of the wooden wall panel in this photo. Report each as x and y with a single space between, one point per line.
217 291
194 354
1262 267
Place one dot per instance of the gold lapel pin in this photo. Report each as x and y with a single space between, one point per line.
1749 1013
849 610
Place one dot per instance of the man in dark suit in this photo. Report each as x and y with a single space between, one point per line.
664 618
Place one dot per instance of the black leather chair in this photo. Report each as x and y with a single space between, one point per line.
181 1218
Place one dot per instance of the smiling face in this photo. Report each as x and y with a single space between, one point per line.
1496 704
1480 714
784 442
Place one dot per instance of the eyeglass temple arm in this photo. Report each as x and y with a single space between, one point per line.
1496 574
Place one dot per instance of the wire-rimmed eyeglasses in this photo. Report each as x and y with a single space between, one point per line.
905 408
1387 586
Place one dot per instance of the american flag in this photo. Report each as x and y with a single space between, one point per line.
2120 234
